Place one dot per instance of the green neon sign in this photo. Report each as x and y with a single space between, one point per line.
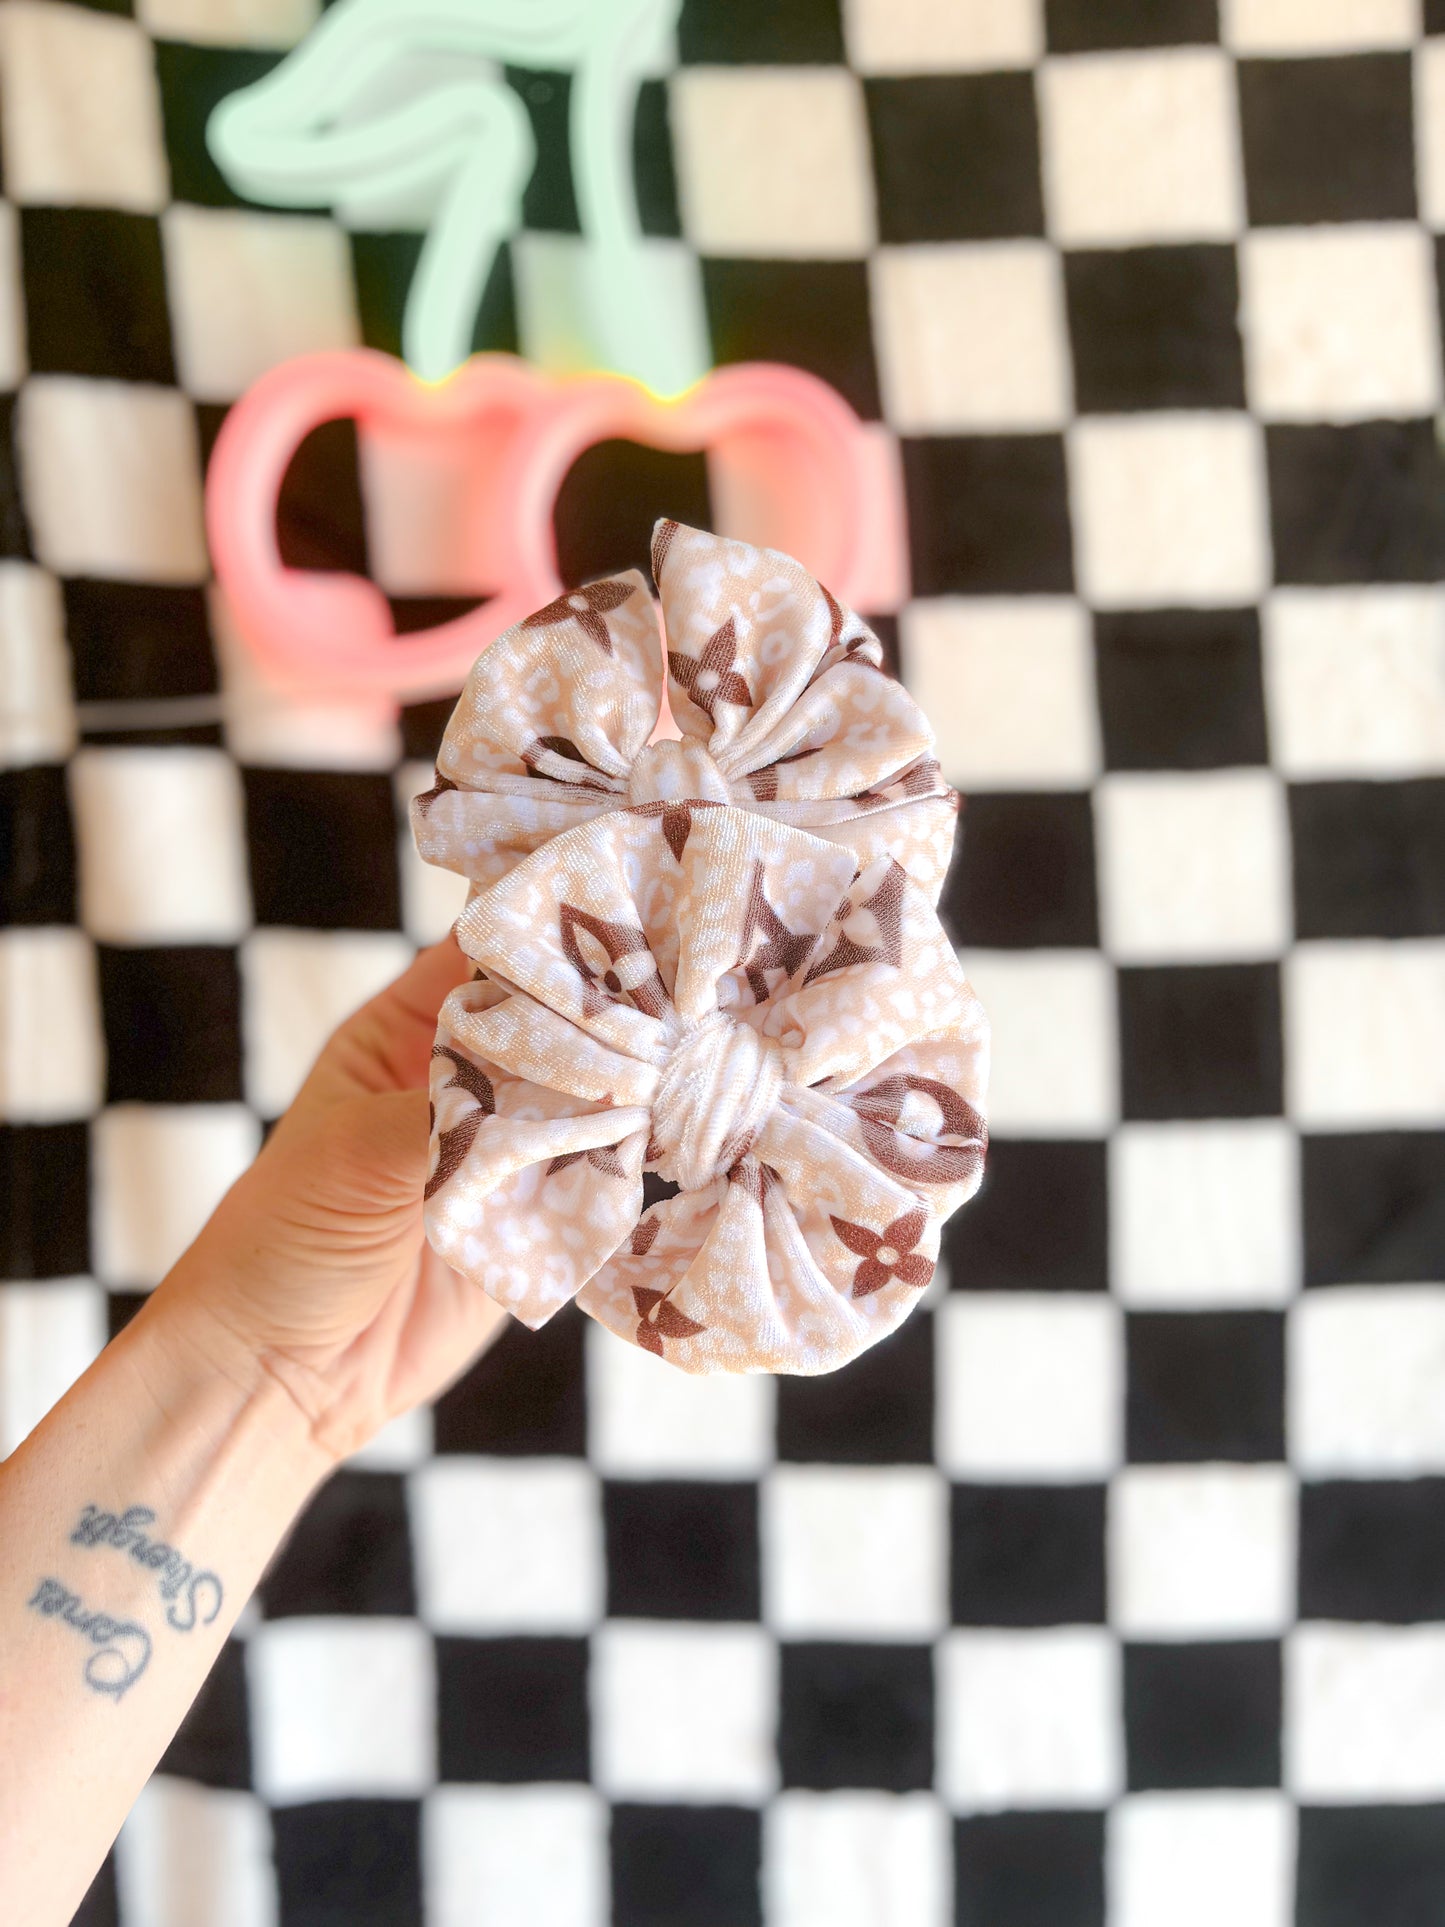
398 102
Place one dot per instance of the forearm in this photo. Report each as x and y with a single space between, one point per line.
134 1523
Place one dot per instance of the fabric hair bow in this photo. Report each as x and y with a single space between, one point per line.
781 1033
777 689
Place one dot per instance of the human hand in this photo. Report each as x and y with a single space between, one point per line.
314 1268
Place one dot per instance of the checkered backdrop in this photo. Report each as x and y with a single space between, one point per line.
1112 1588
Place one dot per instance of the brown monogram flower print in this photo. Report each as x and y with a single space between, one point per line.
887 1254
779 702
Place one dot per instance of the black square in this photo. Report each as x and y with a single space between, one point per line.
722 32
349 1552
1369 859
1364 502
1328 140
194 81
320 515
549 204
1079 26
1202 1716
1372 1550
137 642
856 1716
1370 1866
1040 1221
172 1025
37 847
988 515
1029 1870
349 1863
678 1550
423 725
214 1741
14 533
1201 1040
693 1864
524 1398
955 156
1374 1206
1205 1385
609 500
383 266
101 1905
323 848
1023 876
44 1200
512 1709
654 179
95 294
811 314
1028 1555
120 1308
1435 16
1180 688
878 1410
1155 328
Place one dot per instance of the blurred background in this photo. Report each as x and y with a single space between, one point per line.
1112 1588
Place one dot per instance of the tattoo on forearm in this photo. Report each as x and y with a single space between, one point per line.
123 1649
189 1592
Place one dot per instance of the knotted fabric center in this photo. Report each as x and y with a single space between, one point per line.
676 772
716 1092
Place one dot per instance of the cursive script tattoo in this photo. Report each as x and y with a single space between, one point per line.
180 1583
123 1649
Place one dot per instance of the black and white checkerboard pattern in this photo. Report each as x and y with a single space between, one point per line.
1112 1589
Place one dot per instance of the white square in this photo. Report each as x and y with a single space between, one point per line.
856 1860
189 1853
508 1545
249 290
37 724
296 987
1317 26
1205 1214
527 1856
855 1552
1030 1719
112 479
403 1443
642 1415
971 336
12 306
1430 130
1008 684
1340 324
1202 1551
1201 1859
942 36
161 841
342 1707
552 280
49 1333
52 1053
1053 1018
268 726
773 161
1030 1385
1366 1382
1169 510
684 1713
79 109
1355 681
431 898
160 1171
1364 1028
229 23
1193 867
1141 147
1364 1713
